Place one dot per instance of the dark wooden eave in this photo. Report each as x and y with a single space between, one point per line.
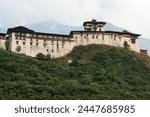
52 34
94 23
20 29
2 34
126 33
115 32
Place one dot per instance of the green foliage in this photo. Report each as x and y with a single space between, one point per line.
126 45
7 44
18 49
97 72
48 57
40 56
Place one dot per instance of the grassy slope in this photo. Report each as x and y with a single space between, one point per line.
97 72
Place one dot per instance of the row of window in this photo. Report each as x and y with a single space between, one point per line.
102 37
44 44
22 36
92 37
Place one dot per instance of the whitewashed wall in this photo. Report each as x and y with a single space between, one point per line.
57 48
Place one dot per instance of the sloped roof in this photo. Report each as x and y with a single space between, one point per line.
23 29
94 22
2 34
20 29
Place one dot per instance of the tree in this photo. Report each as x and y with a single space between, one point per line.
18 49
40 56
126 45
7 44
48 57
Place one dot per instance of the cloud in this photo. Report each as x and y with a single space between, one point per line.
130 14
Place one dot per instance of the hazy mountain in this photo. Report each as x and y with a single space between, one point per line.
110 26
2 30
53 27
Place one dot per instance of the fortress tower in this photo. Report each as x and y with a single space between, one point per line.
94 25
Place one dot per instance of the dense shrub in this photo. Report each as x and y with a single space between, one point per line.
48 57
18 49
97 72
40 56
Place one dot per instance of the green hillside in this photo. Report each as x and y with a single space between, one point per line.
96 72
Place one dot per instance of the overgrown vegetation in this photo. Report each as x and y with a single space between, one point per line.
40 56
18 49
126 45
97 72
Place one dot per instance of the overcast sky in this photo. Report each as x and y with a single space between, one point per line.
132 15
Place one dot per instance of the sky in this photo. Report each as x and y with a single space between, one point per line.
133 15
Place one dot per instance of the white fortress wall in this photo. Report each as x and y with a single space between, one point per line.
57 45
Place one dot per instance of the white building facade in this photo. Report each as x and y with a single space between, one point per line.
2 40
25 41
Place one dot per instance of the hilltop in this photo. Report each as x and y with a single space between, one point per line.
96 72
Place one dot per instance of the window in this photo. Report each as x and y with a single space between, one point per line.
52 50
30 43
63 43
93 36
37 44
133 41
102 36
111 36
119 38
88 29
17 42
44 45
52 42
31 39
114 37
57 45
97 36
24 43
16 34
